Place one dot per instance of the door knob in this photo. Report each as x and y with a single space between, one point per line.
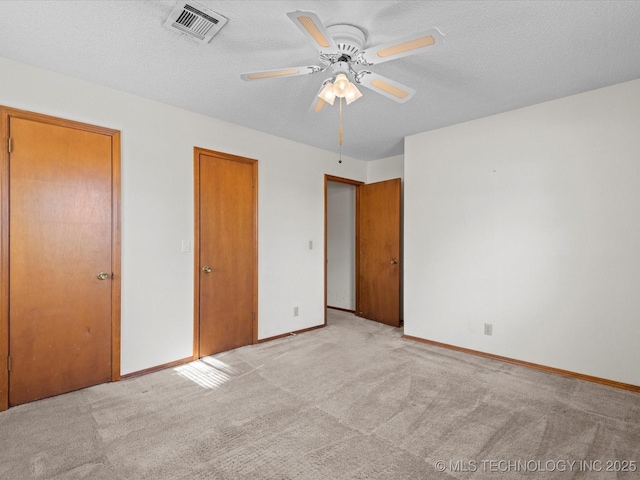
103 276
206 269
394 261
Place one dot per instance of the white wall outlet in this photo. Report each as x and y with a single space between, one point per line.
488 329
295 311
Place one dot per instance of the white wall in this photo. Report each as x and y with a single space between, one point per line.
530 221
385 169
157 209
341 245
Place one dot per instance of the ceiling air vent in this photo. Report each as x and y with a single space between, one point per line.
195 21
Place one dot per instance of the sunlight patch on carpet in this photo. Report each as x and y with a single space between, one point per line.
207 372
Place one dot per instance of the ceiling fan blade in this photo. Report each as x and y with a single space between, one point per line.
318 103
402 47
387 87
281 72
310 25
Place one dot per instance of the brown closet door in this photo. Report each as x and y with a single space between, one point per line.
60 222
378 246
227 249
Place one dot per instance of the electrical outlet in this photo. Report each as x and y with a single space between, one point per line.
295 311
488 329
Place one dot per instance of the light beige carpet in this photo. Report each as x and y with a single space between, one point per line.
353 400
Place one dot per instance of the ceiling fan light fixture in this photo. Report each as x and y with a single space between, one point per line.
352 94
341 85
327 94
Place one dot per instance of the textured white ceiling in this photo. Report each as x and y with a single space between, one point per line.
498 56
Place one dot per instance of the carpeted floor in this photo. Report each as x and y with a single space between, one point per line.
353 400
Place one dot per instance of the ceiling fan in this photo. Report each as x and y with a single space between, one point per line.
341 49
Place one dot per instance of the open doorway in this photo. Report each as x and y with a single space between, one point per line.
341 246
362 248
340 243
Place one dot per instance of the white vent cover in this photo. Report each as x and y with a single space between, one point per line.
195 21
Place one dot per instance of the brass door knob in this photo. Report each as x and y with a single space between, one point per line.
103 276
206 269
394 261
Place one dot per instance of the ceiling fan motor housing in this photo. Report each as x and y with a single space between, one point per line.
349 39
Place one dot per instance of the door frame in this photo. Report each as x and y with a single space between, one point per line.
356 184
6 113
197 151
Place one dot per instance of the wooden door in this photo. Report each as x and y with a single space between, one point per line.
378 246
61 231
226 252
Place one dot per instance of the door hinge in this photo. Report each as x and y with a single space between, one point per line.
9 144
9 363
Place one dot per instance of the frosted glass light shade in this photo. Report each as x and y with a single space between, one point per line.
327 94
340 85
352 93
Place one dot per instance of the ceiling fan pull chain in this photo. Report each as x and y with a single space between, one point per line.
340 121
340 146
